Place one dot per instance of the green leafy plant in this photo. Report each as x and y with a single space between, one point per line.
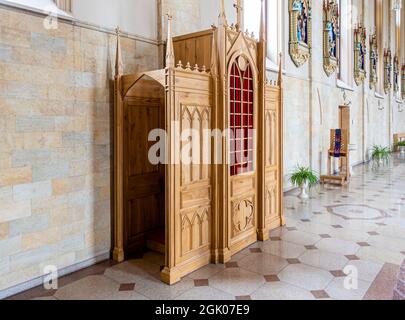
303 175
401 144
380 154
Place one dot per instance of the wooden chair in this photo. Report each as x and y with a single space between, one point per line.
344 176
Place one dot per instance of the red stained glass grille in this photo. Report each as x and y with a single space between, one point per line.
241 120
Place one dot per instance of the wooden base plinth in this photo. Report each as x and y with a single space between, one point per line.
340 180
224 255
118 255
173 275
263 234
170 276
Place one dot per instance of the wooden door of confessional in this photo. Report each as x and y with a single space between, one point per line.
242 119
144 181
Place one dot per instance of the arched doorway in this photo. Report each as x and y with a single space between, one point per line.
143 178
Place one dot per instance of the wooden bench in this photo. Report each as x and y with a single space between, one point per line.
398 137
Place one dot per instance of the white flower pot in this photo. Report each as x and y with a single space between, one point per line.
304 195
402 150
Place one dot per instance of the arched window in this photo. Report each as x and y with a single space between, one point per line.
251 16
346 43
241 120
65 5
274 32
379 24
397 60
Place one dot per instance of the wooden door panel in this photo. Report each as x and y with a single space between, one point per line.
141 120
142 185
143 217
272 165
144 182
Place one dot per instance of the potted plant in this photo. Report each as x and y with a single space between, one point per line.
304 178
401 147
380 155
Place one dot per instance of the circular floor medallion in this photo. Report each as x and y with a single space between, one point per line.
357 212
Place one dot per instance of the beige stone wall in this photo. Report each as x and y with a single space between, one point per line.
55 146
186 16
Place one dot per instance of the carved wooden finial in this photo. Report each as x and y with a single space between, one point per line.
222 15
239 8
180 64
204 69
170 61
196 67
214 55
118 57
188 66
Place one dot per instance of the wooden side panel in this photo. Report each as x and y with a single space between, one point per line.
272 150
195 177
194 48
193 189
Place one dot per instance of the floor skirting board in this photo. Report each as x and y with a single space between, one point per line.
62 272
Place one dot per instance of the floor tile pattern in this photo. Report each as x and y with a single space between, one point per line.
344 243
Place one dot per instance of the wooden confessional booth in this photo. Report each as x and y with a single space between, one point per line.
198 213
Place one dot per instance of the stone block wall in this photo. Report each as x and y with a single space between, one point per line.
55 142
186 16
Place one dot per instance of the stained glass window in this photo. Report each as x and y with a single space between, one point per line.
241 118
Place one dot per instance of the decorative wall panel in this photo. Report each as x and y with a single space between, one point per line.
300 43
331 36
373 61
195 230
387 70
360 51
396 74
271 135
243 216
403 81
195 121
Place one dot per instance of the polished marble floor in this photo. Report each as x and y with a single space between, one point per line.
344 243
